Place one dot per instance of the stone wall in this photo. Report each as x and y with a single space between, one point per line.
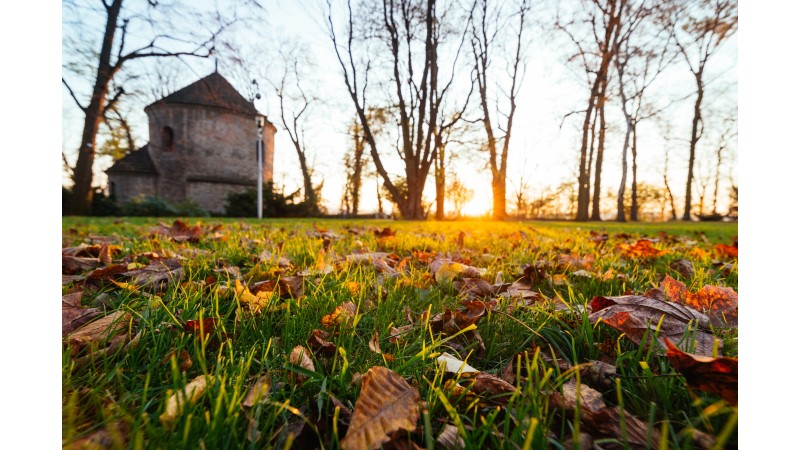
212 197
210 144
127 186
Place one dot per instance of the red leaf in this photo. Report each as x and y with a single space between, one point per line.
717 375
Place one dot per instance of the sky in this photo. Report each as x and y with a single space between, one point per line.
31 185
543 153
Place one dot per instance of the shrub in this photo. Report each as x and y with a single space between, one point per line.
274 203
102 204
156 206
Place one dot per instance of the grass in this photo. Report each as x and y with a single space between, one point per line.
125 392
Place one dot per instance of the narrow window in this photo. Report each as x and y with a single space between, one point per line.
167 139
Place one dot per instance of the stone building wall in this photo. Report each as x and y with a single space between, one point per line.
211 145
212 197
127 186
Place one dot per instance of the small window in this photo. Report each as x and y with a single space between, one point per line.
167 139
112 189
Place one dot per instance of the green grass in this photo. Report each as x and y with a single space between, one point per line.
128 389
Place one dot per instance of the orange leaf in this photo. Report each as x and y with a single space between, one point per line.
717 375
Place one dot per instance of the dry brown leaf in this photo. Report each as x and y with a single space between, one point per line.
374 343
602 421
176 403
259 391
113 435
71 264
157 274
449 438
182 357
73 316
178 232
318 341
301 357
101 330
683 267
386 404
634 315
717 375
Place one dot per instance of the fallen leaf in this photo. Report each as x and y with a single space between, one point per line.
93 334
73 316
254 302
301 357
374 343
178 232
259 391
643 248
717 375
493 388
71 265
602 421
449 438
683 267
176 403
157 274
182 357
635 315
201 327
318 341
727 251
444 270
342 313
721 304
386 404
451 364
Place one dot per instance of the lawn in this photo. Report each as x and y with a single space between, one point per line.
221 333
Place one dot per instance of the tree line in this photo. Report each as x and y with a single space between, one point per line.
428 81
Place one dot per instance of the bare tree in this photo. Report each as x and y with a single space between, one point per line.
487 27
113 55
701 27
458 194
295 106
642 54
603 19
413 32
728 133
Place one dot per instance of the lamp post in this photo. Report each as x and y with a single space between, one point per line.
260 125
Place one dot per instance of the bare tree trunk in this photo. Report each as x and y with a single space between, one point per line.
696 132
716 176
82 191
621 192
601 143
440 180
634 192
498 158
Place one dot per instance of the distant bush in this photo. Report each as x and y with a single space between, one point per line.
159 207
274 204
102 204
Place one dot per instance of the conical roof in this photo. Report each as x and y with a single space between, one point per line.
213 90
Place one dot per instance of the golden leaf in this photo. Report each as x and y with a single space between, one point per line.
175 404
343 312
387 404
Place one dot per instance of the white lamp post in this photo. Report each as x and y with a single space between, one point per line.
260 125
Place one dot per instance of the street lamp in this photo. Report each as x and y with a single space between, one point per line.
260 125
